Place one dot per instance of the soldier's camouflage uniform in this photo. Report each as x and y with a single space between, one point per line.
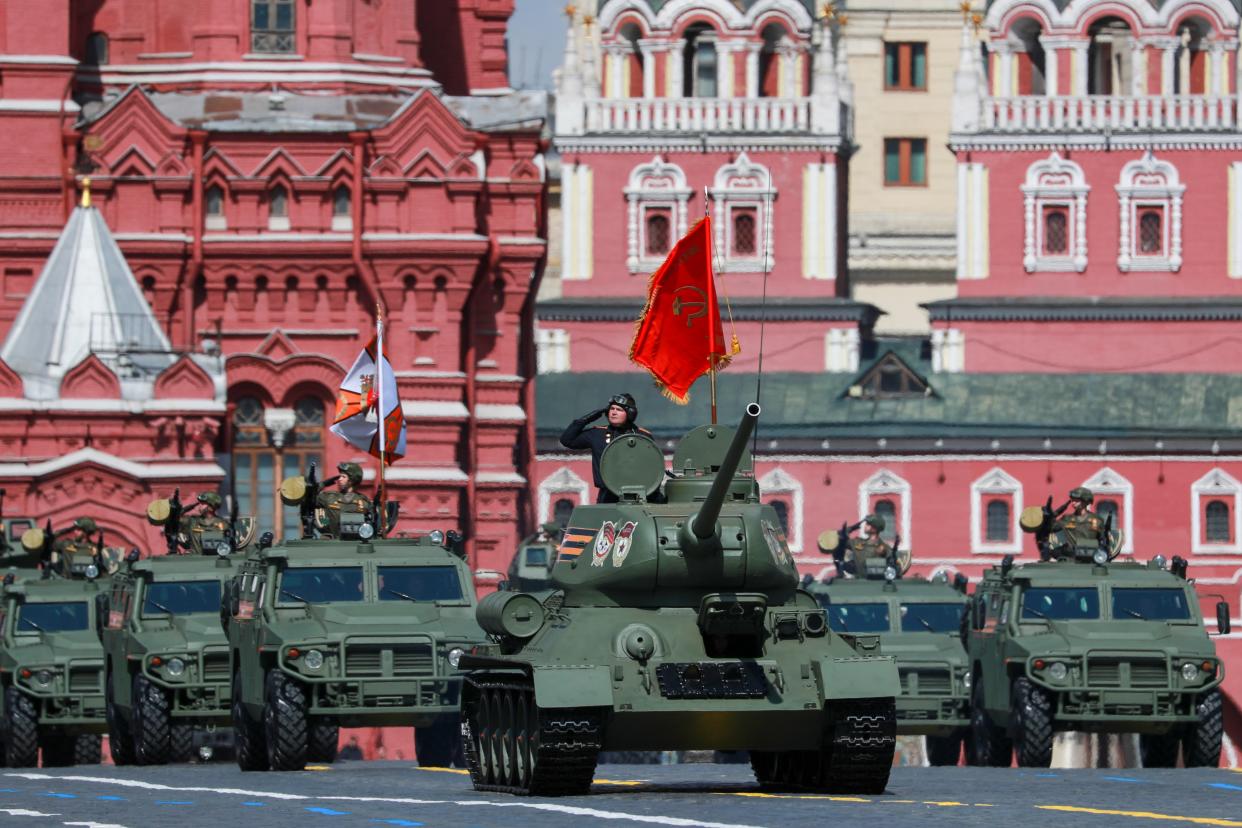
193 527
330 505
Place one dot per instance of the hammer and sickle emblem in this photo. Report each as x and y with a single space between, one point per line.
694 309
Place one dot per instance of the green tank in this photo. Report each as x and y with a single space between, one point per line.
672 626
1092 645
919 623
530 570
168 662
329 633
51 671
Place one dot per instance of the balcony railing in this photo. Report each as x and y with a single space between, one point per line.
698 115
1113 113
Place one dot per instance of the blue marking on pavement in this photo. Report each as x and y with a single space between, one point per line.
60 795
1124 779
255 804
327 812
171 802
1046 775
111 798
403 822
1225 786
8 790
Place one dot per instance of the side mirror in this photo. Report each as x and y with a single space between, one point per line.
1222 618
1006 564
960 582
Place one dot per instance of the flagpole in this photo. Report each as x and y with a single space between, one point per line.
382 506
711 357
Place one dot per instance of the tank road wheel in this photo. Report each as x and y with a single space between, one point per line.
438 745
151 737
763 763
861 740
563 745
20 730
944 750
323 737
1159 750
120 739
284 722
56 748
248 742
180 742
1201 740
992 747
1031 712
87 749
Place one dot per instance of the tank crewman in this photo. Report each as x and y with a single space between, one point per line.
622 414
206 521
871 545
329 505
1082 527
78 542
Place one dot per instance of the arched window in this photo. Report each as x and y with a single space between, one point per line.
699 62
884 508
341 202
1216 529
1151 234
656 198
1056 231
213 200
262 457
658 237
1149 198
782 514
278 208
562 510
998 520
1107 508
1109 68
1055 206
302 448
96 49
744 236
271 26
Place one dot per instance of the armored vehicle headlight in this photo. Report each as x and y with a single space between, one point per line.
890 573
223 549
1058 671
1158 562
436 536
313 659
205 752
44 677
1100 557
92 571
1190 672
366 531
967 679
175 667
454 656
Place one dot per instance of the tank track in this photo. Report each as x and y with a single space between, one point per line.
512 746
860 737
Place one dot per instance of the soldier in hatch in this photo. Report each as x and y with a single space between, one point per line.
622 414
871 545
207 521
77 543
329 505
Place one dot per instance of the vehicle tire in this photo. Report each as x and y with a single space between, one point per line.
439 745
20 730
323 737
1159 750
55 748
1031 713
1201 741
944 751
180 743
151 726
249 745
120 738
992 746
284 722
87 749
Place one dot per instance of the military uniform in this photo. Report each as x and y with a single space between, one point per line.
577 435
68 550
194 527
1075 531
331 505
865 549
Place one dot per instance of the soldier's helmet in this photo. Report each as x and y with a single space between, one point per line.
876 522
86 525
211 499
1083 494
351 470
627 402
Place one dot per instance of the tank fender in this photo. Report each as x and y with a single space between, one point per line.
572 686
858 677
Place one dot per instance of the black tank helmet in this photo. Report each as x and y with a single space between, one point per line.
626 401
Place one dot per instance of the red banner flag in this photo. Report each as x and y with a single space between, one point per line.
679 335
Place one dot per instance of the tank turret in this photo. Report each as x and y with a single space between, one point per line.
701 534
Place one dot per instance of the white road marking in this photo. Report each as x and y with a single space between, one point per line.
96 824
569 810
24 812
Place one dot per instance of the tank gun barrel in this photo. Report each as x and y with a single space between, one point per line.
703 524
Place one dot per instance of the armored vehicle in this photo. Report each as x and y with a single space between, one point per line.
328 633
51 672
168 663
919 623
1092 645
677 625
531 567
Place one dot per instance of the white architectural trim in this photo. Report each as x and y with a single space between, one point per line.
552 350
841 350
1055 181
561 481
948 351
725 12
1234 228
995 482
819 221
1148 182
133 469
972 221
1108 483
780 482
1217 485
654 184
886 483
743 183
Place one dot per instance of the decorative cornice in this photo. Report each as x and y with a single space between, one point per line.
1096 142
1086 309
697 143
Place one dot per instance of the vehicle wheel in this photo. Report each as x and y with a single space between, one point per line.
1031 712
1159 750
120 738
151 737
323 737
248 742
20 730
55 748
284 722
1201 741
87 749
944 750
439 745
992 747
180 743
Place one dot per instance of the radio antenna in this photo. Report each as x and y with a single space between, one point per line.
763 305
